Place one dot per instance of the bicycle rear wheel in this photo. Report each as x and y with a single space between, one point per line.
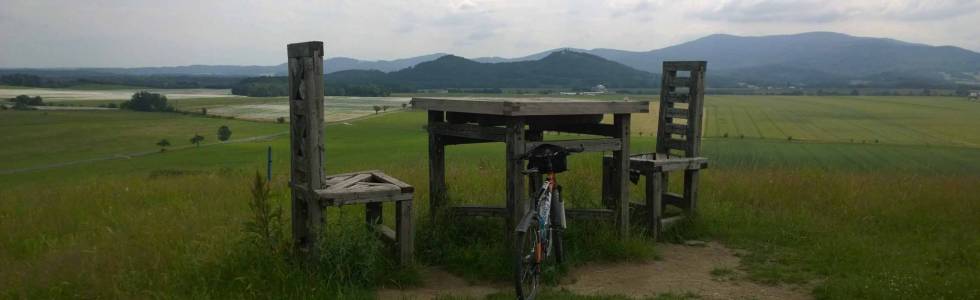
528 260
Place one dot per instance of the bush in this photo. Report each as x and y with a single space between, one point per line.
281 120
224 133
146 101
197 139
28 100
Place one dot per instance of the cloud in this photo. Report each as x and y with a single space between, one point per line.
114 33
809 11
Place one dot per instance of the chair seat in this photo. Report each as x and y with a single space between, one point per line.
661 162
363 187
666 163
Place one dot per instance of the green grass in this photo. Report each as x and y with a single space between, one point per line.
37 138
885 221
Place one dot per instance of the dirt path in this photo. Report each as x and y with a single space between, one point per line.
683 270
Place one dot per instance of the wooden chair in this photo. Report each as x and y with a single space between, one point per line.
312 192
678 146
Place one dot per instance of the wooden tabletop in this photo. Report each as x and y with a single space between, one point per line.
530 106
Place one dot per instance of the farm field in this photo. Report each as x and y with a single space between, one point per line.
39 138
337 108
101 93
893 219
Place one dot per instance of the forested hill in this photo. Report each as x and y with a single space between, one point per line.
561 69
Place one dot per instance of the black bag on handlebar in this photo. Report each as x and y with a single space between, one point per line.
548 158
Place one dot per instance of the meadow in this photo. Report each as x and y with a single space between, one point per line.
896 218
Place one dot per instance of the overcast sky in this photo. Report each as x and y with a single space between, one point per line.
111 33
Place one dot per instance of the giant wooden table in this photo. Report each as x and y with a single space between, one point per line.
520 123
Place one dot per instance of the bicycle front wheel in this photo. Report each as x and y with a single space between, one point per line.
528 260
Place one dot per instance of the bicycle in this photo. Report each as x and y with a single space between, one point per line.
539 234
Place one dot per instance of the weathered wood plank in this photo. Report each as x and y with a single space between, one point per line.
674 199
307 49
343 185
479 210
405 231
469 131
675 129
682 65
386 232
516 191
677 113
305 79
437 168
677 144
591 129
670 221
529 106
677 98
654 201
691 178
681 82
621 162
405 187
587 145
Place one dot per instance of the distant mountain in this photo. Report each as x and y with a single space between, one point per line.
814 59
343 63
333 64
561 69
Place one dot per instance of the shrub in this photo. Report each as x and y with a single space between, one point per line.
224 133
264 227
281 120
28 100
197 139
146 101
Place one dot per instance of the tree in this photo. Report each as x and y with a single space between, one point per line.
224 133
146 101
281 120
204 111
377 109
28 100
404 105
164 143
384 108
855 92
197 139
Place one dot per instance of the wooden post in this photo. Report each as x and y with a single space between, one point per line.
516 204
437 167
691 178
654 199
621 163
534 180
405 236
306 141
607 178
373 213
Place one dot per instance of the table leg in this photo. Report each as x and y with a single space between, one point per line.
437 168
516 204
621 163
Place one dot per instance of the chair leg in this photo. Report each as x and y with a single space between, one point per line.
691 178
607 173
654 196
404 232
373 213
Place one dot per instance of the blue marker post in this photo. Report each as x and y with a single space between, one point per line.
268 169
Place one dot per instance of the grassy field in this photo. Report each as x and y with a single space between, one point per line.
38 138
898 219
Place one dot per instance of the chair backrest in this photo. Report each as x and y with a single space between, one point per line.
681 108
